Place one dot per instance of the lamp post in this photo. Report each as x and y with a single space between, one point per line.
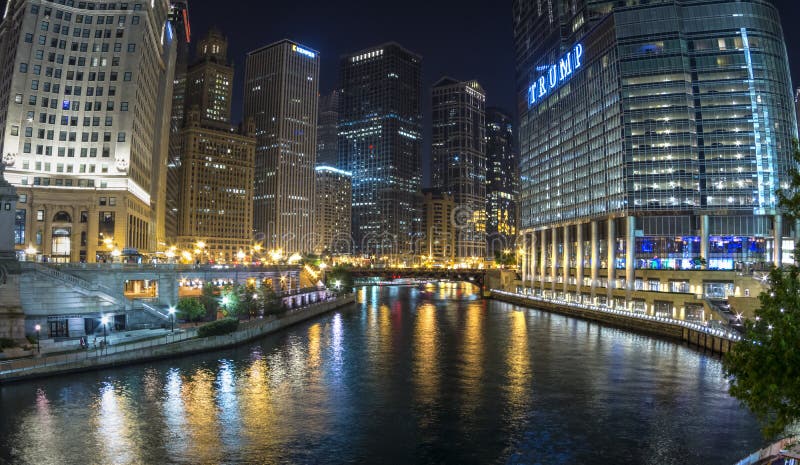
172 318
104 322
38 346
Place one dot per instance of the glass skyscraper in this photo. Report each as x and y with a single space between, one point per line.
380 135
501 182
653 138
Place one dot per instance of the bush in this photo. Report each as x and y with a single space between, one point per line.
6 343
219 327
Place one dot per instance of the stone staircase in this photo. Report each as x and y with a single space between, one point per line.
46 290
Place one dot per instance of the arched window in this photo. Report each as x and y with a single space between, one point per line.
62 217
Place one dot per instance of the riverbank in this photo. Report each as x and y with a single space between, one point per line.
700 336
177 345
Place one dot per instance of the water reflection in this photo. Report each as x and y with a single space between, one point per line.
409 375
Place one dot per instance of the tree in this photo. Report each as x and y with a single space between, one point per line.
231 303
190 309
209 299
249 299
340 278
271 303
764 368
505 257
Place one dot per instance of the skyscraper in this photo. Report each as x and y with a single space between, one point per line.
458 157
438 227
502 182
327 138
380 134
332 218
217 161
179 17
280 95
653 137
82 126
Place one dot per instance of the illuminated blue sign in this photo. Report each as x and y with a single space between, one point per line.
303 51
555 75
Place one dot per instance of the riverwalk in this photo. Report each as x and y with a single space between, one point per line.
714 340
179 343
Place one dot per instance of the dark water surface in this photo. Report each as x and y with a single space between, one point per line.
405 376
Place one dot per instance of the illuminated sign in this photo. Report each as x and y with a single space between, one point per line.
555 75
303 51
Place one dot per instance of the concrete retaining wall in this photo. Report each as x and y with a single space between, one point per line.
715 344
247 332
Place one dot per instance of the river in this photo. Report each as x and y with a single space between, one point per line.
407 375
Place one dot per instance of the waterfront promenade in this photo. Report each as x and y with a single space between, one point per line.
182 342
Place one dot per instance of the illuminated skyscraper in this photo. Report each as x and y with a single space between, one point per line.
327 138
502 174
459 160
83 129
332 219
281 96
380 131
653 136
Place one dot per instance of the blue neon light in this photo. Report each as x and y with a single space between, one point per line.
556 75
303 51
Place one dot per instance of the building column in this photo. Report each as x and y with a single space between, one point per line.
47 233
611 254
91 235
704 238
630 254
595 248
565 256
533 259
777 238
579 258
543 252
553 257
524 261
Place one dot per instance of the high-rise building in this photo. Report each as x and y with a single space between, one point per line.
327 136
438 227
332 218
179 17
458 156
280 95
380 135
502 182
217 161
653 138
82 126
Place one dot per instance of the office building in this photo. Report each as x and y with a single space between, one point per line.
458 156
332 217
653 138
82 127
439 228
327 135
280 95
502 182
217 162
380 135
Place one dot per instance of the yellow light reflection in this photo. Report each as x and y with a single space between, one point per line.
473 357
426 359
114 428
519 369
201 418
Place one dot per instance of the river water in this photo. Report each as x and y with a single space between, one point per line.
406 375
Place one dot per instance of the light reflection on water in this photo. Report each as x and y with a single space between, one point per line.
408 375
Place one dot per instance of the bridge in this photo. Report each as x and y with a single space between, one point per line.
474 276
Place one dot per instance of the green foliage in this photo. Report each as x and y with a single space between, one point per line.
506 259
190 309
341 274
219 327
249 303
271 303
231 302
209 299
764 368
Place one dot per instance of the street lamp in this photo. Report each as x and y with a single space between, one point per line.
38 346
104 322
172 318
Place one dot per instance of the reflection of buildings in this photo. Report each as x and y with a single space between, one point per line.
332 218
459 160
650 152
439 229
216 202
84 133
501 183
281 95
380 133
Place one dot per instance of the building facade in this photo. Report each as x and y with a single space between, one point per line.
333 212
217 162
502 183
179 17
82 129
458 156
380 142
281 96
327 135
438 227
653 138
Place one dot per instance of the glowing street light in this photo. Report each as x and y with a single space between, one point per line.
240 255
172 318
104 322
38 346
